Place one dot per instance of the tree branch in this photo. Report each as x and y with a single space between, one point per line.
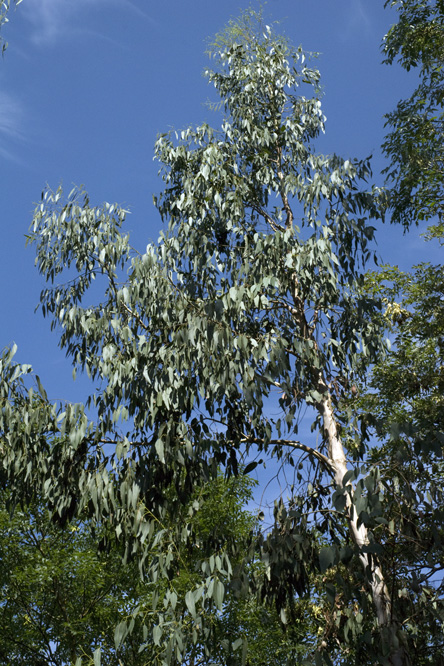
273 224
295 444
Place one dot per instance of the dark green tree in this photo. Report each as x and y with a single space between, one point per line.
62 595
59 597
414 143
405 402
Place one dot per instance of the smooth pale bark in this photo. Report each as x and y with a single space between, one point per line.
337 467
359 533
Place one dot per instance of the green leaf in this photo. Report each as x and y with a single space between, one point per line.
157 634
119 633
250 467
218 593
40 387
327 557
190 603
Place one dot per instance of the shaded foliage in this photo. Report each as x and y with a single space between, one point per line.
62 596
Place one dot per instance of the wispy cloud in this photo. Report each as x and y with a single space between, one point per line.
11 125
11 114
358 18
52 20
136 10
49 18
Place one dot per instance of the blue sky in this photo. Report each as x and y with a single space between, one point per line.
86 85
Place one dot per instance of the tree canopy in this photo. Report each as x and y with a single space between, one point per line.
206 350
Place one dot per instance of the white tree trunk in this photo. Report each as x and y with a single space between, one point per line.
337 463
359 533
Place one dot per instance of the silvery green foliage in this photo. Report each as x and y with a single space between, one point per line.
251 297
5 6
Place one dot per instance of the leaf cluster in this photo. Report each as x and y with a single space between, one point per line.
413 144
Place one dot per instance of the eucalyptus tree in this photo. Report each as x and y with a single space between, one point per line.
5 6
206 349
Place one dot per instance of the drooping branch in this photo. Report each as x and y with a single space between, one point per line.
295 444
